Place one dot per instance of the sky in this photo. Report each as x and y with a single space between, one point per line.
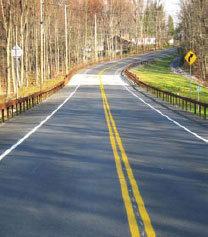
172 8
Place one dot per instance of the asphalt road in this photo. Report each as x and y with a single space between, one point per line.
103 158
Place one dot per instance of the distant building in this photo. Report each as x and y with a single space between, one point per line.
171 41
119 43
144 41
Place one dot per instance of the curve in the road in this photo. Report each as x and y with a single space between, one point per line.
101 158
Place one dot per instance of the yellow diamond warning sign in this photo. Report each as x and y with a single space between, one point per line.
190 57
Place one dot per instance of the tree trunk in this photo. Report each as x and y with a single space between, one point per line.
22 46
36 57
8 52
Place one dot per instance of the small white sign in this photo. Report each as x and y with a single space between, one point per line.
198 88
17 51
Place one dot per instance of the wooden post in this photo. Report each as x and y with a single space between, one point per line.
95 38
66 40
41 44
2 115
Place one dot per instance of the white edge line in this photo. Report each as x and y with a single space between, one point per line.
167 117
37 127
158 111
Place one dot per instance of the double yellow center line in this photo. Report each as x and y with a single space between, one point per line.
116 143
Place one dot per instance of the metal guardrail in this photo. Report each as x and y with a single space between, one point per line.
10 109
15 107
185 103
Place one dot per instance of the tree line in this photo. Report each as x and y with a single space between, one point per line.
57 35
194 32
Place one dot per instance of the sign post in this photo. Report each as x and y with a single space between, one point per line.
190 59
16 53
198 90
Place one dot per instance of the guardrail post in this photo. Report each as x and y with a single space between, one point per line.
2 115
20 105
17 108
194 108
12 111
205 112
7 112
23 106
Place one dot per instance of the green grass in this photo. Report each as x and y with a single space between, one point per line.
159 74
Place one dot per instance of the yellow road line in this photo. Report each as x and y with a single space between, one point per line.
144 215
124 189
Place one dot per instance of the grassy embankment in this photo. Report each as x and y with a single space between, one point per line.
32 88
159 74
25 91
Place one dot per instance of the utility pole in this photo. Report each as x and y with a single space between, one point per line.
16 67
96 38
86 33
191 33
41 44
66 40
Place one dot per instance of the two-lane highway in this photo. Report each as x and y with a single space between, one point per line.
103 158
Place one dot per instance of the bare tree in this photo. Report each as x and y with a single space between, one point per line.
58 35
193 17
